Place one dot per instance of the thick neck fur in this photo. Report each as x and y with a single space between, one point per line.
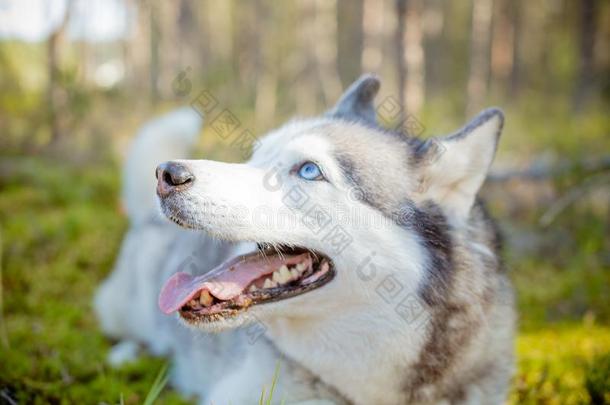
380 354
371 363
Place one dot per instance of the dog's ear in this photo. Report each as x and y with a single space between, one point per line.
452 168
356 103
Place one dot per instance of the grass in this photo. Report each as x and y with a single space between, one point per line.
268 399
60 229
554 363
158 386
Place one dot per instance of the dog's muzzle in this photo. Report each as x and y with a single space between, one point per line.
172 177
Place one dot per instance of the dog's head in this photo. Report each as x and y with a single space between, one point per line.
336 205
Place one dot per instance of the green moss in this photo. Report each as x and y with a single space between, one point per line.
597 379
553 363
60 231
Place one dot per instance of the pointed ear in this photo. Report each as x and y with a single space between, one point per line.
453 168
356 104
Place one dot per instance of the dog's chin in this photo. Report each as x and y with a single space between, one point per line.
222 324
179 213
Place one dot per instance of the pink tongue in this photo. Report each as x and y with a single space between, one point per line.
224 282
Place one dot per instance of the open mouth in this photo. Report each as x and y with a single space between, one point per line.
263 276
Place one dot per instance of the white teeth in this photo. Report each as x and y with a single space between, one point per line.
281 275
205 298
253 288
285 274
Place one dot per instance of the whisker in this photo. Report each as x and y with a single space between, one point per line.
279 252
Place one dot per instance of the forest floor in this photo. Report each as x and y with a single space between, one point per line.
60 229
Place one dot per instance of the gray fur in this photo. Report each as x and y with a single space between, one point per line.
459 313
479 120
356 104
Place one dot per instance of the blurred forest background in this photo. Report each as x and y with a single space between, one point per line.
77 78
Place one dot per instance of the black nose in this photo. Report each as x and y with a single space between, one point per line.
171 175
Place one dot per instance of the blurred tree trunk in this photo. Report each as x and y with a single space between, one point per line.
266 67
410 43
85 63
305 89
245 53
503 36
349 34
170 43
401 11
372 35
515 73
164 47
55 93
434 25
587 30
326 49
201 44
154 39
187 34
479 55
137 68
220 33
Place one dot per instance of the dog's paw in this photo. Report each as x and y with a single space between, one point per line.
123 352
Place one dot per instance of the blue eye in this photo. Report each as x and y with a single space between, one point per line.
310 171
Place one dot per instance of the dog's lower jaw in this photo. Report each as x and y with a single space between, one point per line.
239 320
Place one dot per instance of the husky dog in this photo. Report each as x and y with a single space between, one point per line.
376 276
